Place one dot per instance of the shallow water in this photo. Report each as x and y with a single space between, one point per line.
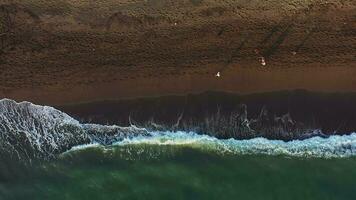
156 171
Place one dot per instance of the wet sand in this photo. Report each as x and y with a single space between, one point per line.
238 80
332 113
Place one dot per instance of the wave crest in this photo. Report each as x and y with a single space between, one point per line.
334 146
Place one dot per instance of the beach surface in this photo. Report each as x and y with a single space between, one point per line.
71 51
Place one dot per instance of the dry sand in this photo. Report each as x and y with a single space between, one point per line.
70 51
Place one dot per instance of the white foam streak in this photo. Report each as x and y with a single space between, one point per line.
334 146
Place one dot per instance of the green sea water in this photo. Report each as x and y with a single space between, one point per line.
149 171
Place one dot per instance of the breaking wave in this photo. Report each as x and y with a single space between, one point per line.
332 147
29 131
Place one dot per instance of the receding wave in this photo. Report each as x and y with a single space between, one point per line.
29 131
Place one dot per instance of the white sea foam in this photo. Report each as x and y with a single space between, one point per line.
42 132
334 146
84 146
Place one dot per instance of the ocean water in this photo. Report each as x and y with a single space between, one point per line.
189 166
47 155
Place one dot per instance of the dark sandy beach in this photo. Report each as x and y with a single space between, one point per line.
60 52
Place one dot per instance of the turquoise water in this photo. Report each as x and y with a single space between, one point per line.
178 171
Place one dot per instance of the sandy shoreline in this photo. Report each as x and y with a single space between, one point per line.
74 51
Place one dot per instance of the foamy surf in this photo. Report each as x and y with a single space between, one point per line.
29 131
317 147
